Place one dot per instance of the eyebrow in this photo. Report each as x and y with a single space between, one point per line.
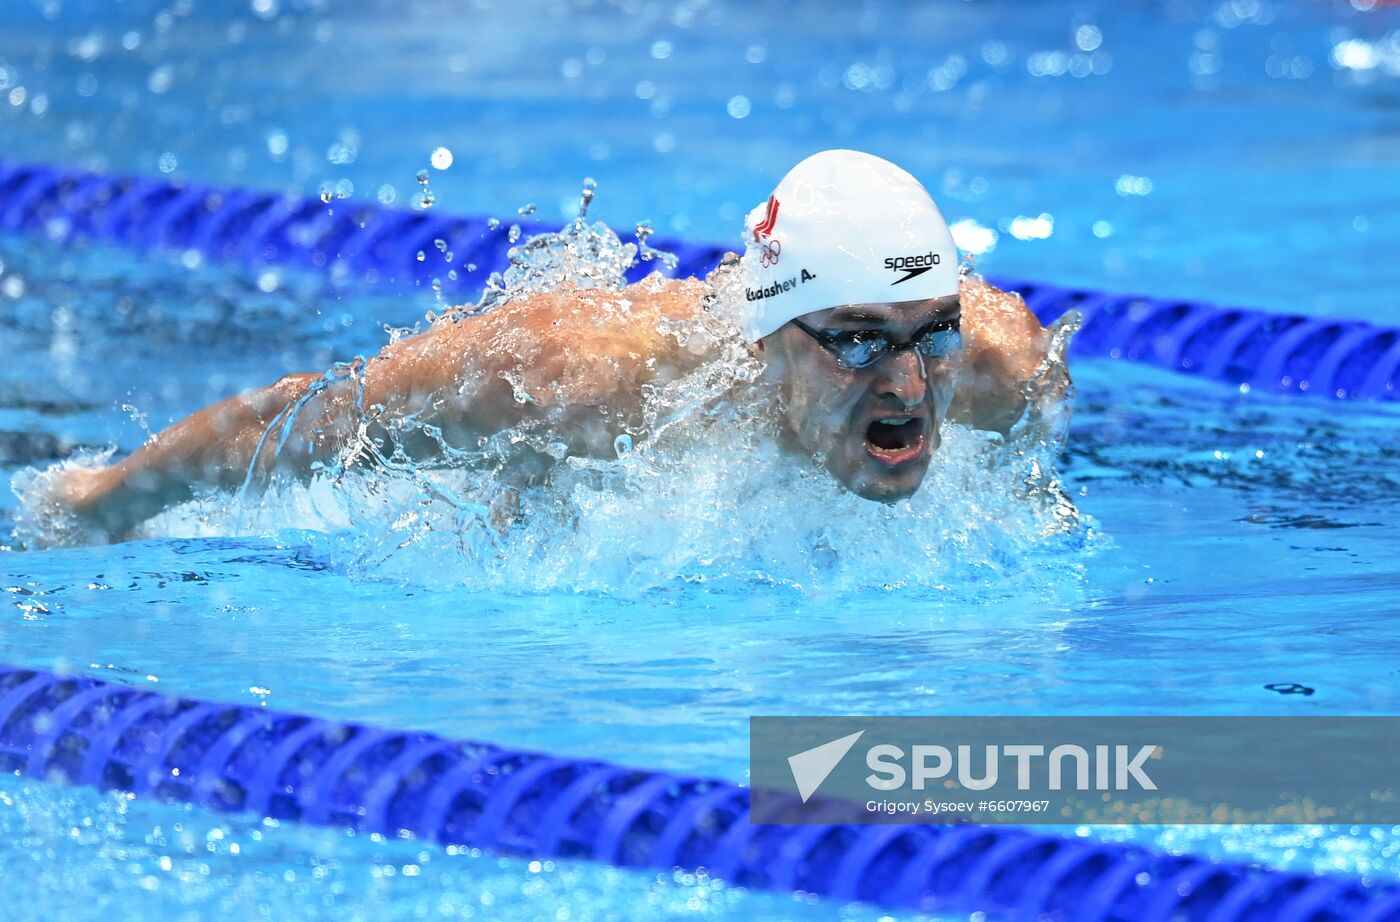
857 316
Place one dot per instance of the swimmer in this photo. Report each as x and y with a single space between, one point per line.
852 301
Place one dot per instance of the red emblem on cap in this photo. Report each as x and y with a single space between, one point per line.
770 217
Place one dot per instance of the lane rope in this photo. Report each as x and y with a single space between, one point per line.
365 244
261 762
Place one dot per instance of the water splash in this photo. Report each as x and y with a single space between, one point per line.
586 256
701 498
138 416
1039 435
41 518
646 252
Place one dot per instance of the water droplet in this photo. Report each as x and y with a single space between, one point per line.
514 233
622 445
590 185
441 159
326 195
648 252
493 223
441 245
422 177
526 210
422 256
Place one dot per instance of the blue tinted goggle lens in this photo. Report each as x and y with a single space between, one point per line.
863 348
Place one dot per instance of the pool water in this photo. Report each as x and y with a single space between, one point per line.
1238 151
1230 541
1237 542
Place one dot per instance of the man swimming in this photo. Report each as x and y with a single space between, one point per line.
851 300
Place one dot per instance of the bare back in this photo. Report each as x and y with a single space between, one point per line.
576 359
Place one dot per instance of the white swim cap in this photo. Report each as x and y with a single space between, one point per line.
843 227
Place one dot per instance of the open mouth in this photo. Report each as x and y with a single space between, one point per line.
896 439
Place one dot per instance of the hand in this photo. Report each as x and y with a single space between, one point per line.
1003 348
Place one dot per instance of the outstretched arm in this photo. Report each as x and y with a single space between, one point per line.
214 447
285 426
553 359
1004 346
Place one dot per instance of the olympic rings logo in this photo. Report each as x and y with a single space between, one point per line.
769 252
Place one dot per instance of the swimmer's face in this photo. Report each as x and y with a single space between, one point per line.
875 427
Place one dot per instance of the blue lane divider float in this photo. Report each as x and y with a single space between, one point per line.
367 244
354 242
251 760
1341 359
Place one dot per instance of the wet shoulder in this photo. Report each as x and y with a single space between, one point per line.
590 345
997 326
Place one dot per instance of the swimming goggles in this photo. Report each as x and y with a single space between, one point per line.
863 348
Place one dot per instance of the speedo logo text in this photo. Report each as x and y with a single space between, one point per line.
912 266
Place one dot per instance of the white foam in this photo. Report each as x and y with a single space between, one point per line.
42 519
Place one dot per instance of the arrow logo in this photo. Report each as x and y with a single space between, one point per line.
810 768
911 273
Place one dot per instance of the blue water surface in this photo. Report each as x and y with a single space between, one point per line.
1237 151
1228 150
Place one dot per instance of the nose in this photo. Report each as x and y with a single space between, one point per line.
903 377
